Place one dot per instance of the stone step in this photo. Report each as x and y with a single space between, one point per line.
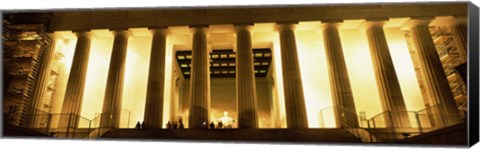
284 135
16 131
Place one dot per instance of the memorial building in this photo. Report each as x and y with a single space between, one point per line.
372 72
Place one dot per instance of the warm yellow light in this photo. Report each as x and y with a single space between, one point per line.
279 98
313 67
360 71
67 48
96 79
135 80
68 51
168 86
315 79
405 72
362 76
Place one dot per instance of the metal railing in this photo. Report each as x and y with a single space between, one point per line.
70 125
350 122
384 128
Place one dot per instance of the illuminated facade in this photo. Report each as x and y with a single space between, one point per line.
296 67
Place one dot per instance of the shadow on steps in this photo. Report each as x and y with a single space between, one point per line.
284 135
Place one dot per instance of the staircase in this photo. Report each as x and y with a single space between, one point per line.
389 135
16 131
452 135
284 135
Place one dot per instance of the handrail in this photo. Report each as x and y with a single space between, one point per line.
357 131
77 126
95 130
421 122
321 114
377 115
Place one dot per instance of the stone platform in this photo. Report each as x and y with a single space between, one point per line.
244 135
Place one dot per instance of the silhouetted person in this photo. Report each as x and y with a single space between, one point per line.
181 126
143 125
175 125
220 125
180 120
138 125
169 125
212 125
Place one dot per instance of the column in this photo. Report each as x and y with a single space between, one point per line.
273 110
343 103
459 30
199 84
41 83
246 93
387 81
156 80
72 103
112 104
292 80
435 80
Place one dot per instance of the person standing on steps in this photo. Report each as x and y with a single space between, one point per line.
169 125
212 125
175 125
181 126
220 125
138 125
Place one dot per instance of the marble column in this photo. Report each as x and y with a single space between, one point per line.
41 83
246 93
199 79
459 30
343 103
273 104
435 79
292 80
72 103
387 81
112 104
156 80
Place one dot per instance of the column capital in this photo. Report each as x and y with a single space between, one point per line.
280 26
202 28
243 26
82 33
415 21
330 23
155 30
372 22
122 32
